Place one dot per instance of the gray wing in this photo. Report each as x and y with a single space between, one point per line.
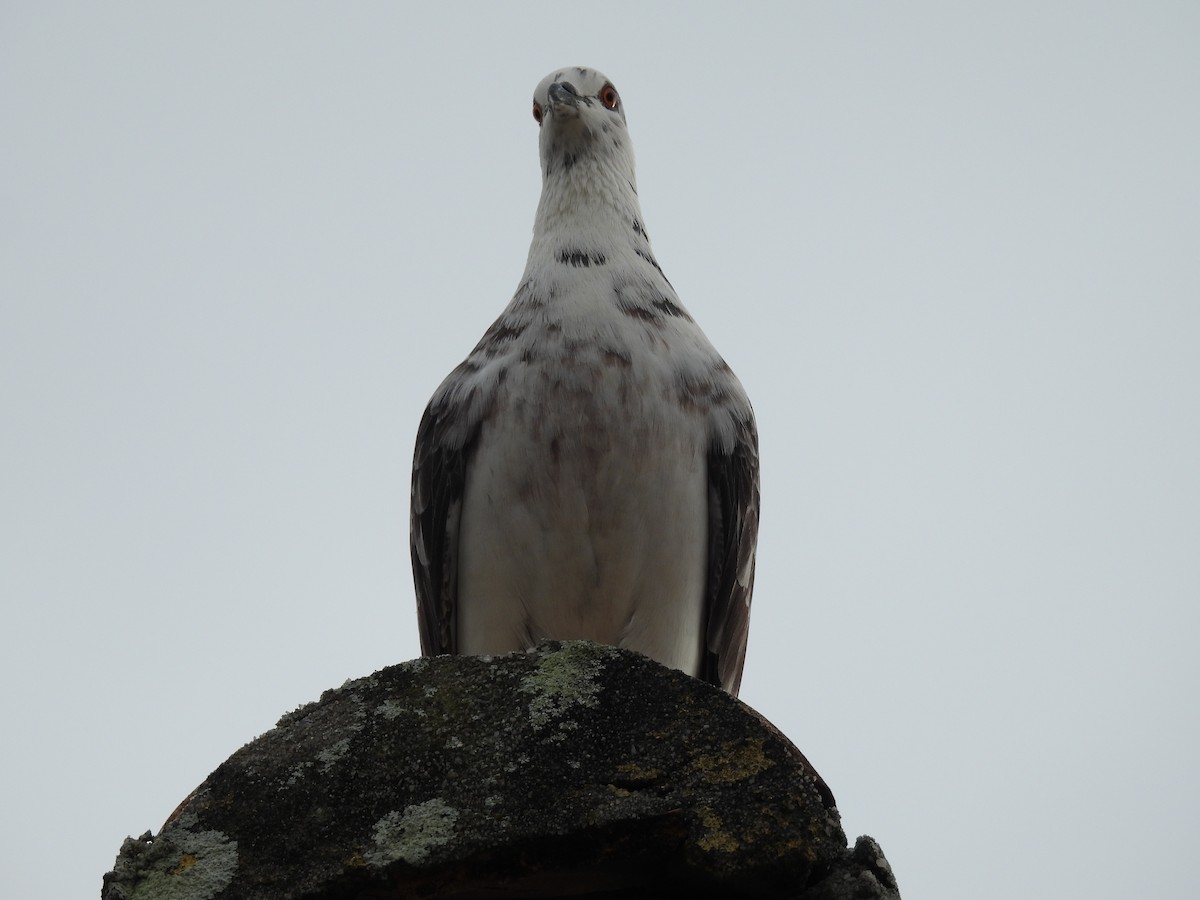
732 536
439 472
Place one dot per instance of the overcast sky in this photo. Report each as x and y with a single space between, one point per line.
952 250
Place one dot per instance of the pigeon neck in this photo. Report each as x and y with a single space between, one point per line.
589 196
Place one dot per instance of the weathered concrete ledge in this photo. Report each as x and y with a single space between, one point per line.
575 770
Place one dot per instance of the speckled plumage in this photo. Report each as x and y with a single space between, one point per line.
591 469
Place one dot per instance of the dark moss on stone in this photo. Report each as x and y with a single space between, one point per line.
576 770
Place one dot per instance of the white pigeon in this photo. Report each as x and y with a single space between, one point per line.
590 471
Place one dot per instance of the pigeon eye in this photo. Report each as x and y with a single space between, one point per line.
608 96
537 112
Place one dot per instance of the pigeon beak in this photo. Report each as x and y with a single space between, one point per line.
564 97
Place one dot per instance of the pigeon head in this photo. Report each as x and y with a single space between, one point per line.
582 121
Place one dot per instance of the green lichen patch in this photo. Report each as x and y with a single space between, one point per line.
413 835
565 678
334 752
394 709
179 864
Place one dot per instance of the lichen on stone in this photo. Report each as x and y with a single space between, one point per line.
634 774
565 678
735 761
412 835
178 864
566 759
391 709
331 754
715 838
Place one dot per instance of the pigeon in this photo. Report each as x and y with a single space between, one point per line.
590 470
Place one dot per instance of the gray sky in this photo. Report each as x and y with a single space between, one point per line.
952 250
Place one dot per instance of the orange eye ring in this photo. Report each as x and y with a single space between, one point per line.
608 96
537 112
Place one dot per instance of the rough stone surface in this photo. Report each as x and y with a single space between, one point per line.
576 770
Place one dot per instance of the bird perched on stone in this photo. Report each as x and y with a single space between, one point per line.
590 471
